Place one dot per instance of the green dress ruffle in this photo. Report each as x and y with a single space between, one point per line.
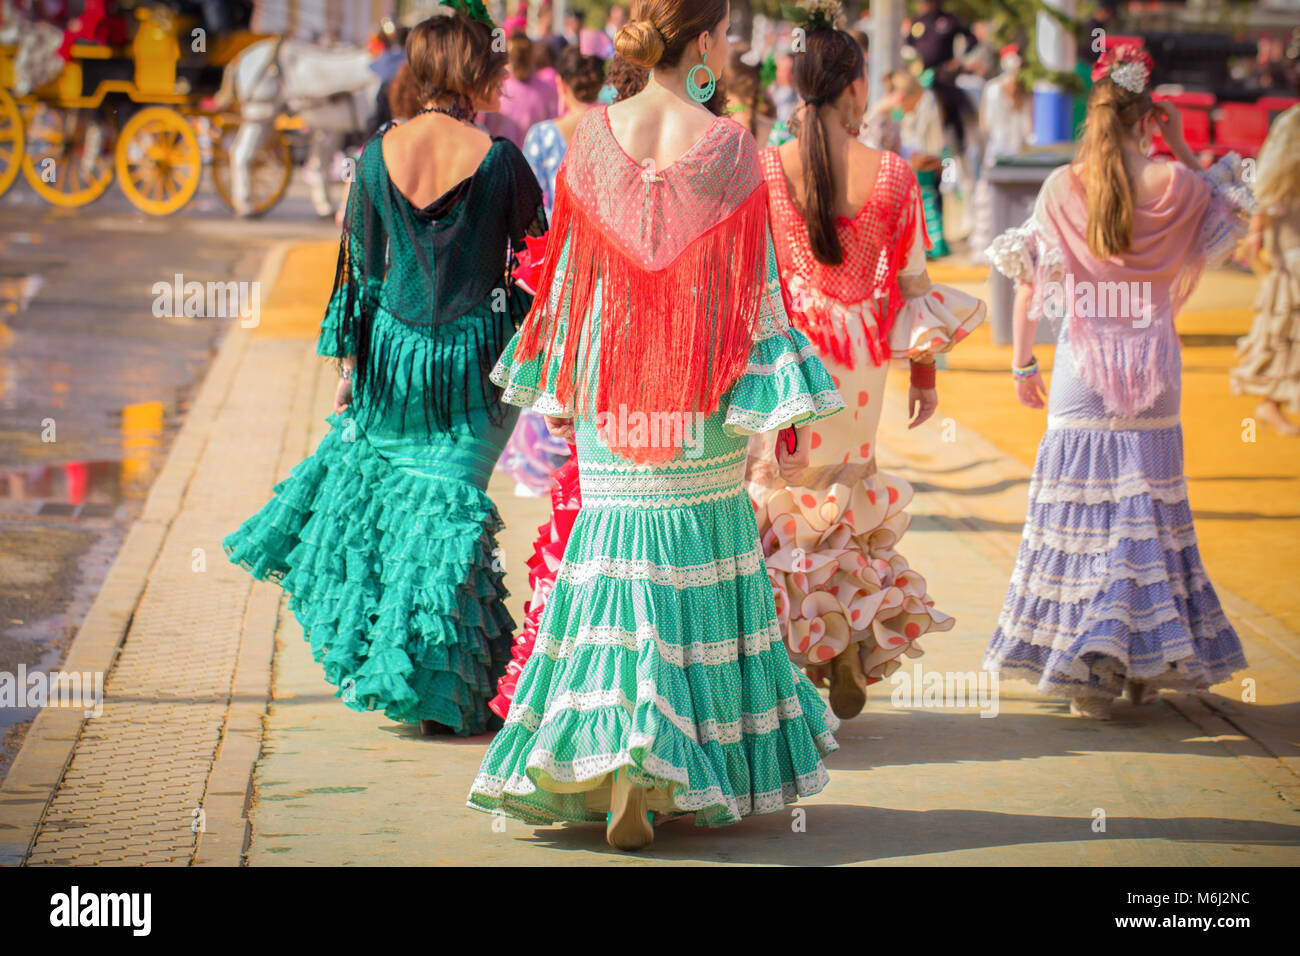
659 651
384 539
386 545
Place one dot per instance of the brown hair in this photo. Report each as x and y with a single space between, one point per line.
584 75
1112 112
664 28
626 77
831 62
519 51
745 83
404 94
451 57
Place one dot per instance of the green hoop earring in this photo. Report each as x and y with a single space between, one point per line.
701 94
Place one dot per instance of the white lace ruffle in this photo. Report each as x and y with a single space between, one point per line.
1061 590
1023 251
1049 634
1113 424
578 573
596 766
589 468
708 731
663 488
785 360
682 655
1048 490
1079 540
1225 223
750 422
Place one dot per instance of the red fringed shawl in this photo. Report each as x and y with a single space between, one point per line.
676 258
876 243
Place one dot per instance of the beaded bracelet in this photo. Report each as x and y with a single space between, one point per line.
345 373
1025 372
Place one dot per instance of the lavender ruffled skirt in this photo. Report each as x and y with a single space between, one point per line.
1109 584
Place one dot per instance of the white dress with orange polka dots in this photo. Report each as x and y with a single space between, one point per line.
830 541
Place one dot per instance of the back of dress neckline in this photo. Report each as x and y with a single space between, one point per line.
447 200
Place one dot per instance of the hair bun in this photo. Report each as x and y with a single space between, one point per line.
640 42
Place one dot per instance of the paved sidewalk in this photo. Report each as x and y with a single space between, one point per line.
194 721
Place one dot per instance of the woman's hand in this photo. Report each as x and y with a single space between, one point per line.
1031 391
560 427
790 463
1170 122
921 404
343 396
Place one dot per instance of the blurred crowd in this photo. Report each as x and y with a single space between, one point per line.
958 102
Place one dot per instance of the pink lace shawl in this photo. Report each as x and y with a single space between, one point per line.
1130 358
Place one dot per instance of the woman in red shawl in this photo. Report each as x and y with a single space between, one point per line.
658 681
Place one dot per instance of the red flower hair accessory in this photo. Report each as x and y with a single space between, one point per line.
1127 64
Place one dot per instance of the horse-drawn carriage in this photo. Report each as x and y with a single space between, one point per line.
142 111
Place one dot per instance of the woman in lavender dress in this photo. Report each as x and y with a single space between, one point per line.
1109 590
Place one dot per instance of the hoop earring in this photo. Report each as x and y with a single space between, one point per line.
701 94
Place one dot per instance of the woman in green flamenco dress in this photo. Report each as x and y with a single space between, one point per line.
658 680
384 538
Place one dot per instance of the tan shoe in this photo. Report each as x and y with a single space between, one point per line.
1098 708
848 684
628 826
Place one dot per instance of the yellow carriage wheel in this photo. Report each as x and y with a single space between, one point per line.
158 160
68 158
12 141
270 173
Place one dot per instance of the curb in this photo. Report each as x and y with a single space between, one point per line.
39 766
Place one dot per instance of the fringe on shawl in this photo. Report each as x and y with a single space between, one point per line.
672 340
826 329
441 383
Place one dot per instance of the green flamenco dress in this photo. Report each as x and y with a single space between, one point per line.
659 654
384 539
659 650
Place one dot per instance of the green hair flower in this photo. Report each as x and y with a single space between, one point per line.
474 9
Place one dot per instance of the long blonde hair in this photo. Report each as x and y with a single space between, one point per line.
1277 170
1112 112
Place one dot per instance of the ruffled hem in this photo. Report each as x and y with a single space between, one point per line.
933 323
721 772
394 576
1109 584
543 567
1268 359
784 384
521 383
836 578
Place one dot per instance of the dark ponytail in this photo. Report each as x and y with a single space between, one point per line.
831 62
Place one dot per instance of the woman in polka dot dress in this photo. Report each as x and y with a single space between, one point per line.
848 603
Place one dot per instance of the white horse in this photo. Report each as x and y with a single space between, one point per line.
272 76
